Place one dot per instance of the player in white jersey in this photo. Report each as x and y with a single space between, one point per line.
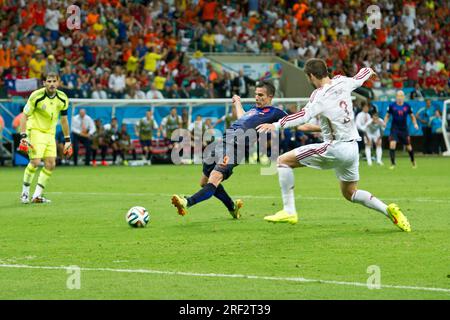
373 130
363 117
332 102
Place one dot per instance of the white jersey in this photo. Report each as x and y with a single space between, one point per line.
333 104
362 119
374 129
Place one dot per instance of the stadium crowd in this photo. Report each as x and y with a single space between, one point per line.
137 49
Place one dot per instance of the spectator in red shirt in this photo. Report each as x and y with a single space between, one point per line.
432 80
208 10
412 71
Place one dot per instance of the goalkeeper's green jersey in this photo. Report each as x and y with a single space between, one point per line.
43 111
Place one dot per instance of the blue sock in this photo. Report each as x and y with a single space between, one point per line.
205 193
223 196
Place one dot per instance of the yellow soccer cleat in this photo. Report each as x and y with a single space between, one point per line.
238 204
181 204
282 216
398 218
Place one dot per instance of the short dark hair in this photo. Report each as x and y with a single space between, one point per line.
270 88
51 75
317 68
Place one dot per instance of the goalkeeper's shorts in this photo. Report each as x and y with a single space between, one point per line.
44 145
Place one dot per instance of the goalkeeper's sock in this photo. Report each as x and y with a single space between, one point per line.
223 196
368 200
28 176
44 176
286 179
205 193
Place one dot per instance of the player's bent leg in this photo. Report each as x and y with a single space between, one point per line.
350 192
28 177
285 163
44 177
203 194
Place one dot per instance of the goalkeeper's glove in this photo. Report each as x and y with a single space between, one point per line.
24 143
68 151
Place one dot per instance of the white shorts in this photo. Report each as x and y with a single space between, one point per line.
343 157
373 137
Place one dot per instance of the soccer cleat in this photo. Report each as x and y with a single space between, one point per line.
282 216
238 204
380 163
414 166
181 204
40 200
94 163
398 218
104 163
25 198
125 162
392 167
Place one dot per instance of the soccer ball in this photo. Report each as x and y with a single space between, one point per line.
137 217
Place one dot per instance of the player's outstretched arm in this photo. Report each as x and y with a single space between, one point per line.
362 76
309 127
236 100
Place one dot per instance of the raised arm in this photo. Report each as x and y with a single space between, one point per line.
238 106
362 76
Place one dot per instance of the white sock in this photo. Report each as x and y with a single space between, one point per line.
369 155
368 200
286 179
379 154
25 189
38 191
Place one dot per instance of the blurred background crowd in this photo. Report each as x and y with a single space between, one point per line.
137 49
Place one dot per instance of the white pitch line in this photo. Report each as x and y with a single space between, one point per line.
131 194
245 196
219 275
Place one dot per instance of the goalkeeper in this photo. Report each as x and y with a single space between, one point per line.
37 133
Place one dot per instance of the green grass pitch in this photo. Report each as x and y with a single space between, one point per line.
208 255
